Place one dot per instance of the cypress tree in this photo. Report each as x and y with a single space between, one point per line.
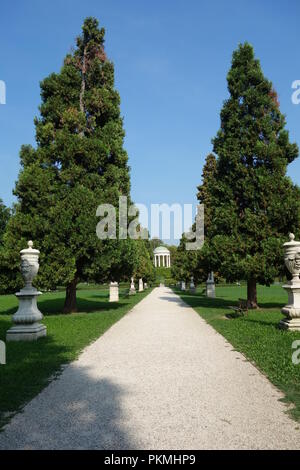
79 162
252 203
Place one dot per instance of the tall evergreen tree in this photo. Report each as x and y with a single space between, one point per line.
79 163
4 272
252 203
4 217
203 195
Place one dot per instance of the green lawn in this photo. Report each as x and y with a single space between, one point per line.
257 335
29 365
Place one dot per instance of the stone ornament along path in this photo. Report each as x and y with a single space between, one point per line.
160 378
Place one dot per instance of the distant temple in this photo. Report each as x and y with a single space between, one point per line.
162 257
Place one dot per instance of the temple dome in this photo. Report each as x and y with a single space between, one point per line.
161 250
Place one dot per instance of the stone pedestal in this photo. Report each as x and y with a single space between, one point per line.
26 319
292 309
183 285
210 286
192 286
114 292
145 285
141 285
132 290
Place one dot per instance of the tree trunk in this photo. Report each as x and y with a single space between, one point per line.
71 300
83 72
251 294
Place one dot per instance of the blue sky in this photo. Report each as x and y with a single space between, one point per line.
171 59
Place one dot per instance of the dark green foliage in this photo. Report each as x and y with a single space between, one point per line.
4 217
186 264
204 190
144 265
251 204
163 275
79 163
4 272
154 243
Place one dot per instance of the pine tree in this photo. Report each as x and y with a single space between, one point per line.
4 217
78 164
253 203
203 195
4 272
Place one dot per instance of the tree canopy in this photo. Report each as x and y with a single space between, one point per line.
79 163
251 204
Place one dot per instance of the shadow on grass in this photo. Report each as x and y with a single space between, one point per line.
55 306
273 323
29 365
233 316
200 300
9 311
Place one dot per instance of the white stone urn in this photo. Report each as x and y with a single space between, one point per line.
292 262
132 290
114 292
292 257
26 319
210 286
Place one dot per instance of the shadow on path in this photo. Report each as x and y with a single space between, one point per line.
78 411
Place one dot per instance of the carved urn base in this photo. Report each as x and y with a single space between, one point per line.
132 290
26 332
292 324
292 310
26 319
114 292
210 289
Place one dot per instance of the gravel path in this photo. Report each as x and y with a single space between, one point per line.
161 378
